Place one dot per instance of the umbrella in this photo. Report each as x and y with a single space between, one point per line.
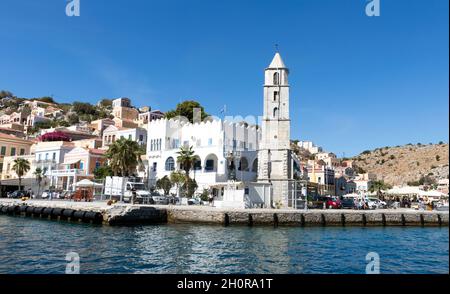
87 184
407 190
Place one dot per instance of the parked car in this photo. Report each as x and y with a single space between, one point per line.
348 203
375 203
333 203
318 202
45 194
193 201
18 194
160 200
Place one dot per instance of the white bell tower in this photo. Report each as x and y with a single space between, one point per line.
274 156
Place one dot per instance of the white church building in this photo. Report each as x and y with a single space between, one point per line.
238 162
224 150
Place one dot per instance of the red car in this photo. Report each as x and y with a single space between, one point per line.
333 203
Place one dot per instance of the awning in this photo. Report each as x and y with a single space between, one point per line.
73 161
87 183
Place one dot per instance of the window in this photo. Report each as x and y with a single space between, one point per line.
141 138
46 156
276 78
209 165
81 165
275 112
186 143
170 164
13 151
3 152
129 137
175 143
155 165
197 164
39 157
275 96
97 164
22 151
210 142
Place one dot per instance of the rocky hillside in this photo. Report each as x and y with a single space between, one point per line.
410 163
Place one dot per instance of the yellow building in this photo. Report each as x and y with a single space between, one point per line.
13 146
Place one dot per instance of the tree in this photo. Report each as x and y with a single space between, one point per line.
189 188
186 159
73 119
105 103
186 109
177 179
47 100
103 171
84 108
124 157
205 195
164 184
39 175
6 94
54 137
378 186
21 167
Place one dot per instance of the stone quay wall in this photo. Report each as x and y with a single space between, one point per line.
126 214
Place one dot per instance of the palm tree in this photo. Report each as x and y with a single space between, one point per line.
124 156
21 166
186 158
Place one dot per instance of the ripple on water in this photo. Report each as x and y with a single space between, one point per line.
38 246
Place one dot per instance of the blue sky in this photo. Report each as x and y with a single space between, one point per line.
356 82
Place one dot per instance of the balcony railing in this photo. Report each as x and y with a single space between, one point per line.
68 172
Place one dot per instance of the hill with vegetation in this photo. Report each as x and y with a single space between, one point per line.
409 164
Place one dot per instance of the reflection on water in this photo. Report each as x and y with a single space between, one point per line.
38 246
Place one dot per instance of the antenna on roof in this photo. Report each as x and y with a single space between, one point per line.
276 48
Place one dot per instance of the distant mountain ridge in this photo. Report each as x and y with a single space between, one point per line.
410 163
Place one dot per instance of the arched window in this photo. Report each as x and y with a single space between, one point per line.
170 164
211 163
275 112
276 78
197 163
255 166
243 164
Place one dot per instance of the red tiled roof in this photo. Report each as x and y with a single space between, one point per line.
97 151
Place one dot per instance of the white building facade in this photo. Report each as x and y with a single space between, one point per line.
224 150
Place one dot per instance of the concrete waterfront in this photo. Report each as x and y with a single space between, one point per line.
127 214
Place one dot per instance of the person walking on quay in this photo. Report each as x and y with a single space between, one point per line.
133 195
211 200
